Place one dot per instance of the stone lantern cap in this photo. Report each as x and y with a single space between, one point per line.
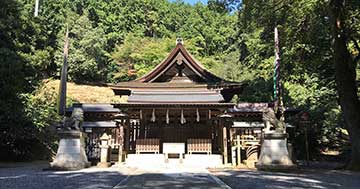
105 137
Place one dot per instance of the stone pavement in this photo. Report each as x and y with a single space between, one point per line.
171 176
33 177
300 179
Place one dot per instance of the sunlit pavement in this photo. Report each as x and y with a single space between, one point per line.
171 176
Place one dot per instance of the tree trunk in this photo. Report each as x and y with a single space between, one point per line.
345 76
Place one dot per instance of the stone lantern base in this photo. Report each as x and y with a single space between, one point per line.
71 152
274 154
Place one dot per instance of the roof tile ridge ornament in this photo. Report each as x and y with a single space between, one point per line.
179 41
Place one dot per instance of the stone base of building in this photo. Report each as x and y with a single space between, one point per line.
190 160
274 154
71 152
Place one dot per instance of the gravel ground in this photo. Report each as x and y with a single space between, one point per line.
35 177
300 179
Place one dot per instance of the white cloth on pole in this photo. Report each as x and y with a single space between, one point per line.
167 116
153 118
197 115
182 118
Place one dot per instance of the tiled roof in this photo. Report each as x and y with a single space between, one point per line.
171 96
104 124
95 108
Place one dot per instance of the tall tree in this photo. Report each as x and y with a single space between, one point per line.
345 72
307 56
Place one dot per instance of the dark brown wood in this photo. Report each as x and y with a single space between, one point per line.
121 143
127 136
225 143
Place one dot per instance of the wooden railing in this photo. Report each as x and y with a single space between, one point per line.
249 143
148 145
199 146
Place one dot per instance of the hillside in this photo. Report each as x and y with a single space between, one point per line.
86 93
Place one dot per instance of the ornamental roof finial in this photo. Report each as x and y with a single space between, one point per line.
179 40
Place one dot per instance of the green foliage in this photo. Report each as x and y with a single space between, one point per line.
41 106
141 54
306 60
87 57
212 31
20 139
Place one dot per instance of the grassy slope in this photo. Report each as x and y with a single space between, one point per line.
86 93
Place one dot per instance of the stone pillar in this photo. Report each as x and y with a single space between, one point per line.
104 153
71 152
274 154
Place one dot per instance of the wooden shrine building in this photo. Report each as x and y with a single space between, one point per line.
178 109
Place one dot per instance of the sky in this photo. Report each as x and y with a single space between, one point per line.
192 2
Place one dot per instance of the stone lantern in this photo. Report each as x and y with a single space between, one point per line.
104 153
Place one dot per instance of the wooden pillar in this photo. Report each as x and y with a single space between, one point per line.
238 149
127 136
142 125
121 143
233 155
225 145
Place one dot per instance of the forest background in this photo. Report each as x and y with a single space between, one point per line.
119 40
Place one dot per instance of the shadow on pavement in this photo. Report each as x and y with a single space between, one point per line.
38 179
302 179
170 180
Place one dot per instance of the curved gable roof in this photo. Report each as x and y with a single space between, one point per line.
196 67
